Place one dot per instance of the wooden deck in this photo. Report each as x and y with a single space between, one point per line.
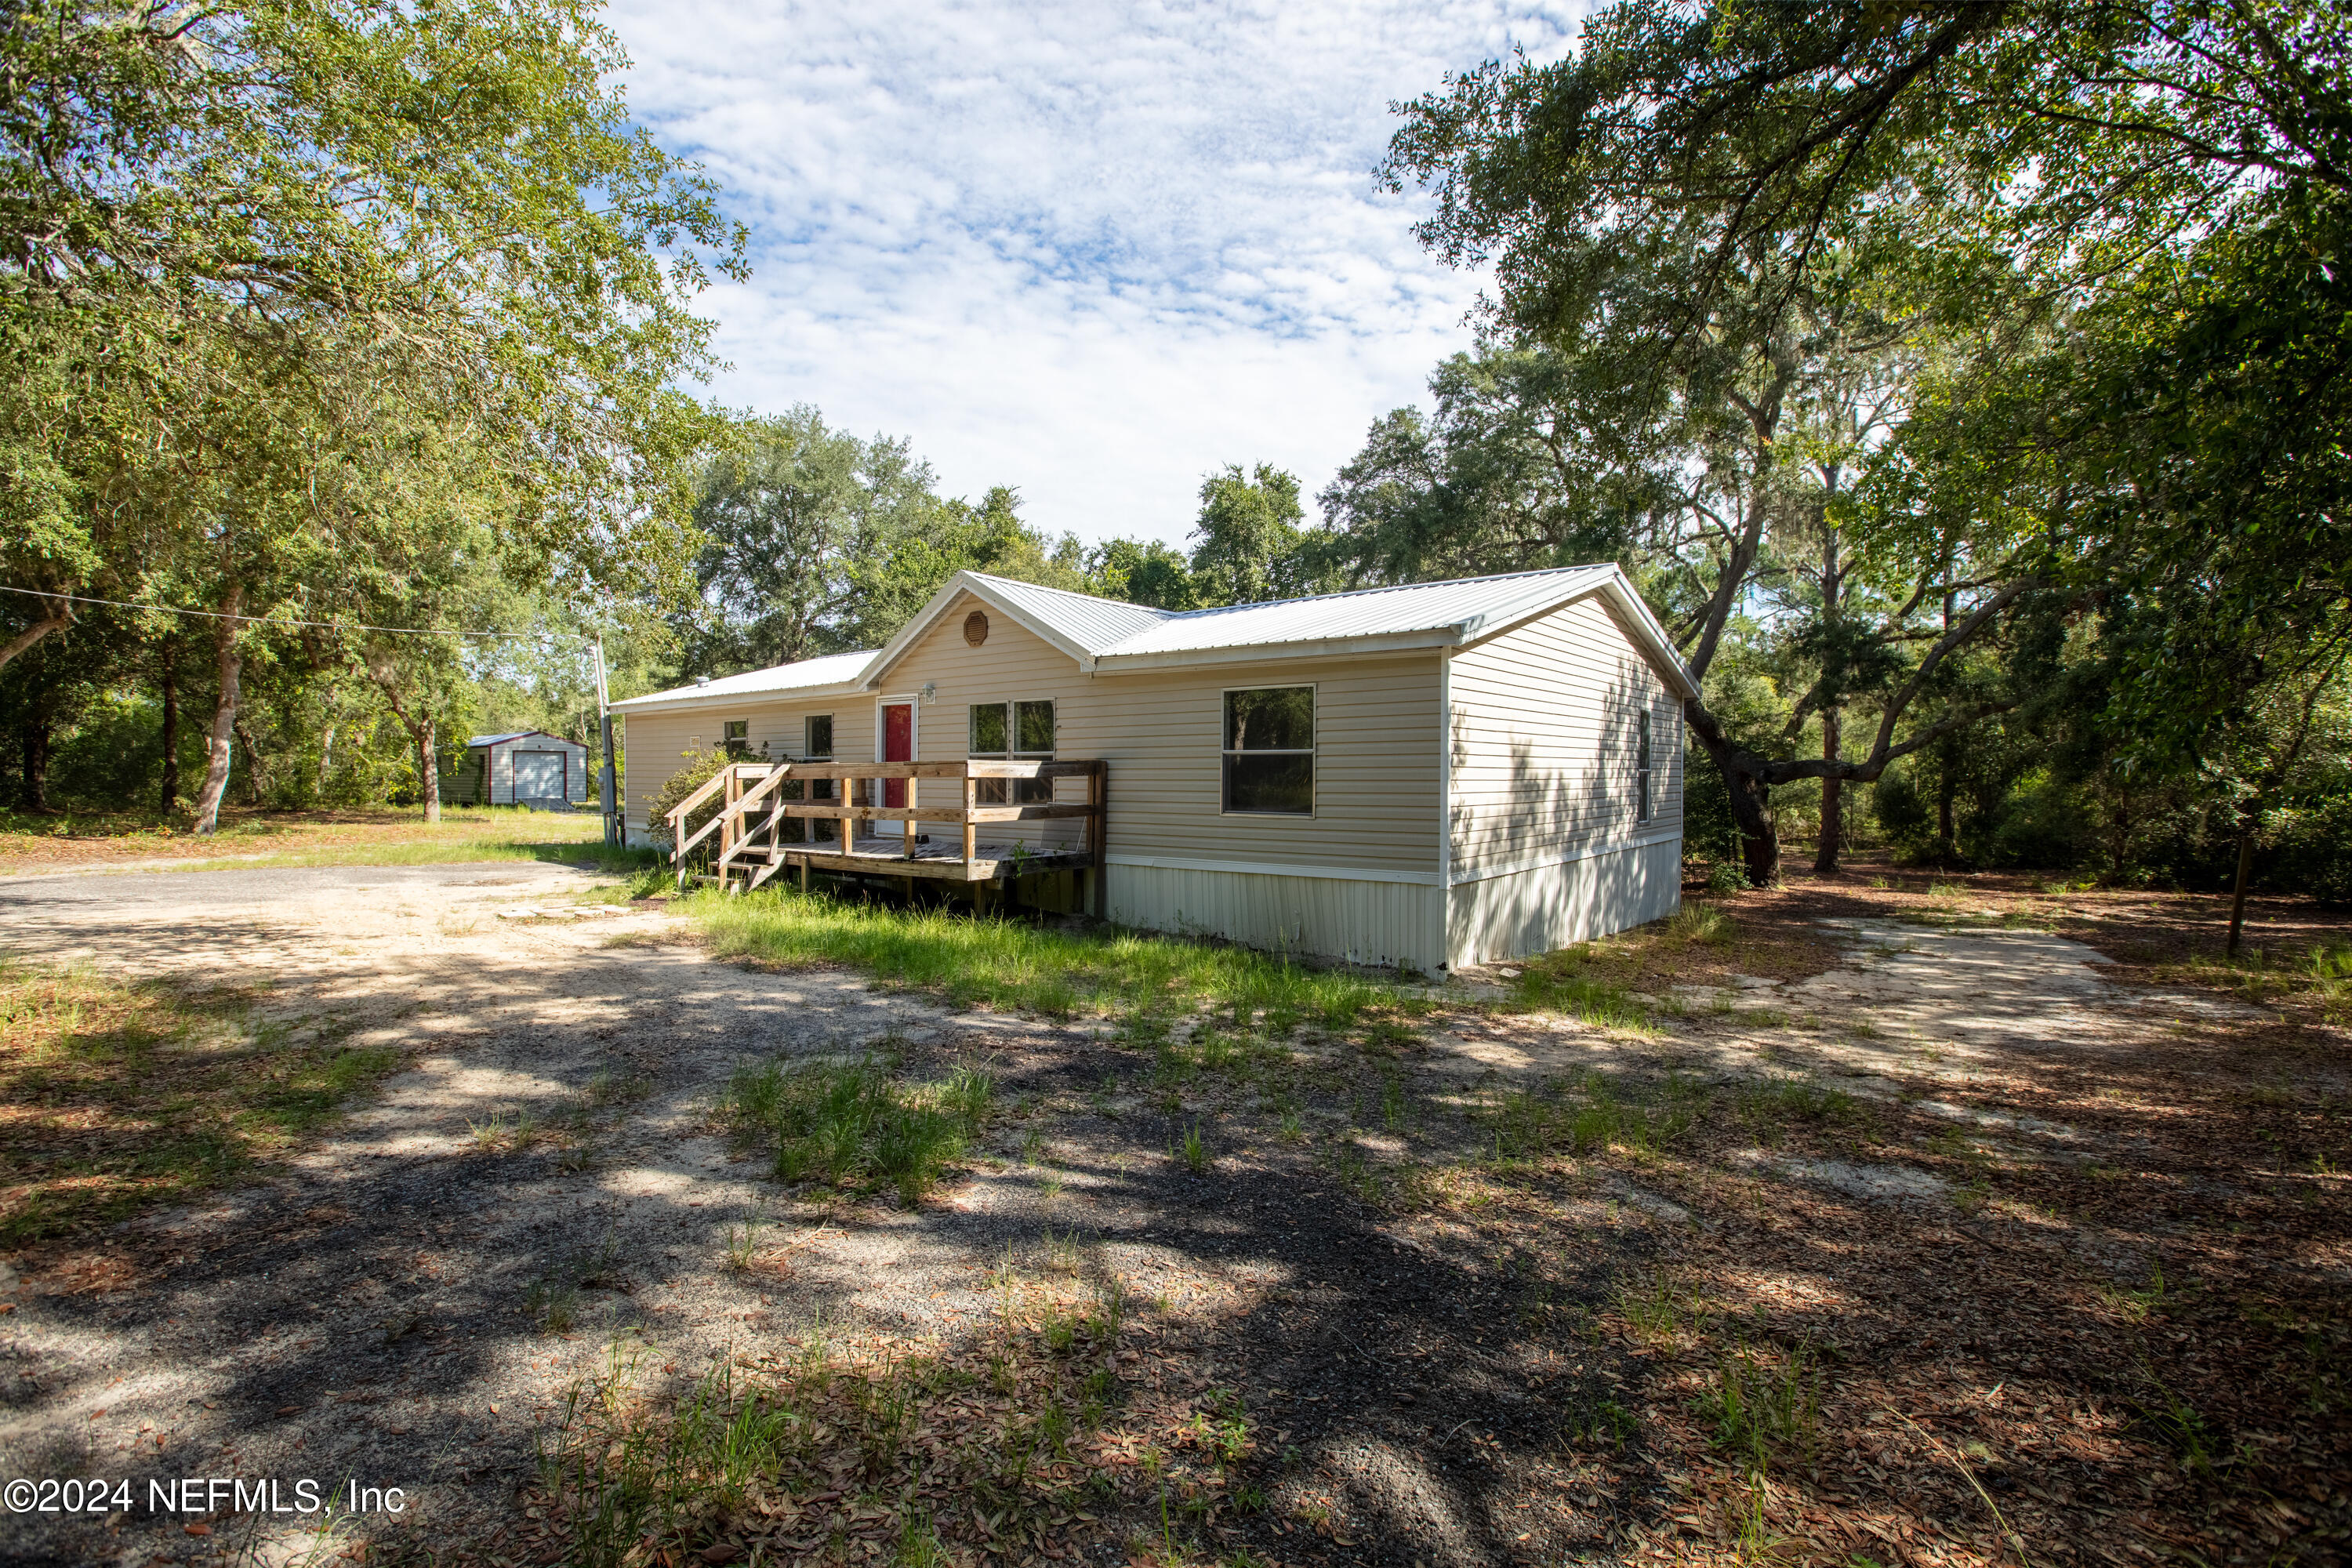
850 832
885 855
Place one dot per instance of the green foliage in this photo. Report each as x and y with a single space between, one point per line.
816 542
1911 330
1759 1405
346 312
1143 572
1249 544
701 763
850 1123
1059 974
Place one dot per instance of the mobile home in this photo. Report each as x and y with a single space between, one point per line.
1432 776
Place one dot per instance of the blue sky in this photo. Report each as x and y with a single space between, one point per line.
1090 250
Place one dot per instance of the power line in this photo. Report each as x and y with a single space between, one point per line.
280 621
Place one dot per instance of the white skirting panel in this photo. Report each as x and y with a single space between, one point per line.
1546 907
1362 921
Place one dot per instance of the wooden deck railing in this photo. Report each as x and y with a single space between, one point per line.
750 822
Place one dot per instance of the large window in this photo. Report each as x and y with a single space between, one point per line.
1015 731
1641 768
1270 751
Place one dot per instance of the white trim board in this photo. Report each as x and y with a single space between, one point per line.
1262 869
1589 852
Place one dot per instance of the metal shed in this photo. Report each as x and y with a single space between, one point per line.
521 767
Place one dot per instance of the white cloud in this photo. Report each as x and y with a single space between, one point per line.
1091 250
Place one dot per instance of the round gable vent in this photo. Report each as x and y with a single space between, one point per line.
976 628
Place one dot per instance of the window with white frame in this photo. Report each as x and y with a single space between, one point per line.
735 737
1013 732
1641 767
1269 751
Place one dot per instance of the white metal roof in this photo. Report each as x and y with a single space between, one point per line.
1110 635
1106 636
807 676
1094 625
1463 607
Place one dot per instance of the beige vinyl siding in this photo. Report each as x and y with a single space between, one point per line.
1376 767
655 743
1544 736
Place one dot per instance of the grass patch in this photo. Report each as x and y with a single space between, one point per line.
252 839
1589 1116
816 1452
1759 1407
115 1096
2320 975
1772 1109
1567 982
1018 967
856 1125
1697 922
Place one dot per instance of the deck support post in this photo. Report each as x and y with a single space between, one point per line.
728 827
1098 798
971 799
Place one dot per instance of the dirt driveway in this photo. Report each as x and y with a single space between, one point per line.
1474 1290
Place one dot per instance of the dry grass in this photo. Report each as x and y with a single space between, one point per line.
1019 1441
114 1096
250 838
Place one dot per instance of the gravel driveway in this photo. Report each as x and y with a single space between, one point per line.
408 1303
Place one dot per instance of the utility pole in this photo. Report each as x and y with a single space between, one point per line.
606 792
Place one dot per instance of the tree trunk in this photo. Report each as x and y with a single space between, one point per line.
1825 858
252 762
2238 894
427 771
57 622
1759 840
220 743
1825 854
1947 842
1750 796
171 799
325 760
33 794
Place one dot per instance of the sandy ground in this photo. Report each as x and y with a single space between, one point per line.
365 1314
374 1314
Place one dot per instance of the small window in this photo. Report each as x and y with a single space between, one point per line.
816 746
736 739
1641 767
1013 731
1269 751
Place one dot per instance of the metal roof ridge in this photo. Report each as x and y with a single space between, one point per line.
1383 588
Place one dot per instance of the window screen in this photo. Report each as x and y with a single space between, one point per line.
1269 751
736 738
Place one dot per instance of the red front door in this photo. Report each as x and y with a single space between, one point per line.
897 746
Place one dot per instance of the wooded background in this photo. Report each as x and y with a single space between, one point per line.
1964 385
